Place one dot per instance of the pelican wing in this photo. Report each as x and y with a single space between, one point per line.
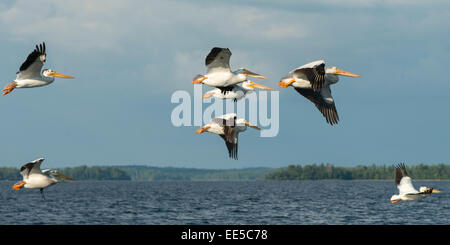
31 168
49 171
323 101
32 66
228 122
55 173
231 141
400 172
226 89
218 59
314 72
226 118
403 181
237 92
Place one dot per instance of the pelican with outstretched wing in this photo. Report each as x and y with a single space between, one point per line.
35 178
228 128
407 192
218 72
313 82
30 75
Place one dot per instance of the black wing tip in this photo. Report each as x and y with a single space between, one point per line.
31 164
225 90
216 49
321 68
26 165
213 54
330 114
23 168
331 117
233 153
37 52
400 172
401 166
41 48
328 111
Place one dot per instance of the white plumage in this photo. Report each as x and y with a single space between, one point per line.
407 192
313 81
228 128
237 92
34 178
30 75
218 72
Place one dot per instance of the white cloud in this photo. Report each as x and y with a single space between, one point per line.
168 40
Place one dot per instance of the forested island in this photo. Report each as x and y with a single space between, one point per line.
292 172
372 172
147 173
78 173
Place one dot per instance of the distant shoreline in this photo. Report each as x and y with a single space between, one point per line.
264 180
289 173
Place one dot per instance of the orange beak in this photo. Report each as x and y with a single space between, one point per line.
285 85
56 74
202 129
251 125
345 73
436 191
260 86
207 95
199 80
252 74
63 176
395 201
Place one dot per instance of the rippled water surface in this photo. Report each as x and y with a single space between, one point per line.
226 203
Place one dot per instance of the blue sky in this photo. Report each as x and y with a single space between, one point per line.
128 58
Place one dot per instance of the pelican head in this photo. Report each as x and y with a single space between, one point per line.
286 81
19 185
52 73
203 129
396 198
241 122
333 72
250 85
428 190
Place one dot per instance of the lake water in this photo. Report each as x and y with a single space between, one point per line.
222 203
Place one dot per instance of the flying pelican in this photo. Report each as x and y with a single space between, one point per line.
313 82
34 178
29 74
228 128
218 72
407 192
237 92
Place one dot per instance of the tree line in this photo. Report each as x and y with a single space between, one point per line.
292 172
147 173
328 171
78 173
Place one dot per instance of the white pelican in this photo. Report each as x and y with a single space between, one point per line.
218 72
228 127
34 178
29 74
237 92
407 192
313 82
